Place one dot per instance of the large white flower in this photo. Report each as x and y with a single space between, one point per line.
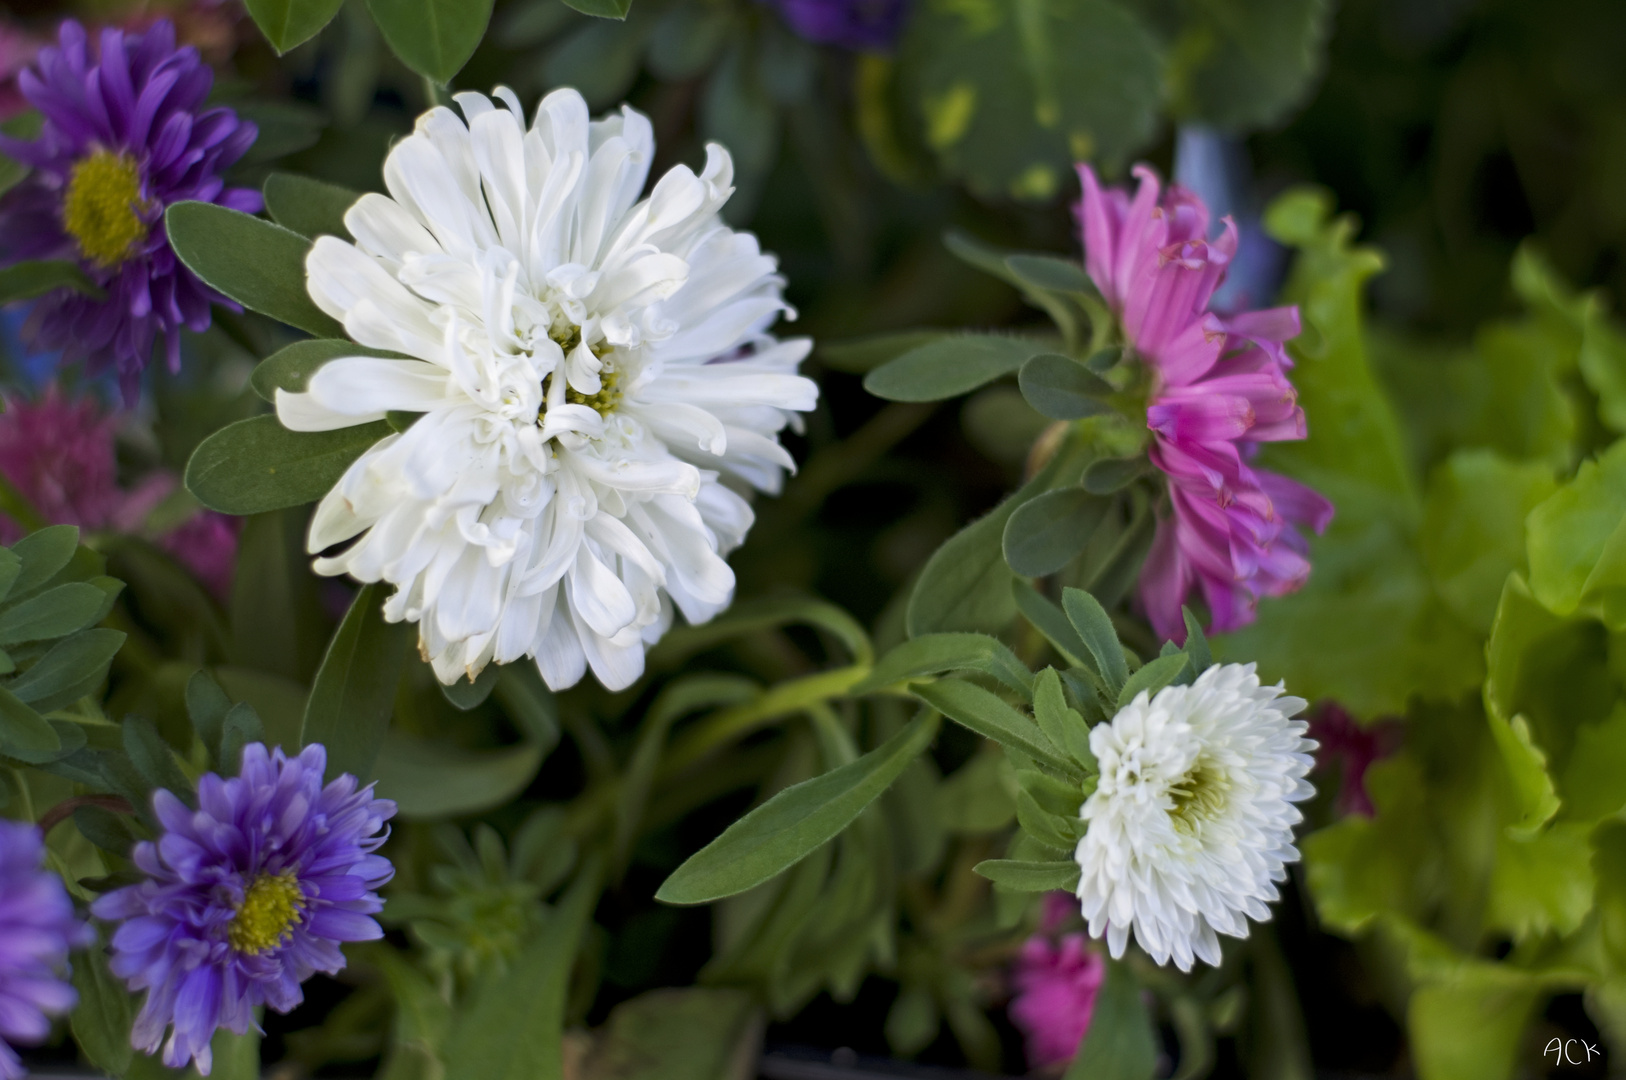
1191 824
595 377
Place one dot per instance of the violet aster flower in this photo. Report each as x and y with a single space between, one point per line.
859 25
1055 988
37 928
59 454
125 135
1219 388
246 897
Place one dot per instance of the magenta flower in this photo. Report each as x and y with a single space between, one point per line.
1354 749
126 133
1055 988
1219 388
59 455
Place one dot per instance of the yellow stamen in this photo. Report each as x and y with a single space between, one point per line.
1200 795
605 400
271 907
102 207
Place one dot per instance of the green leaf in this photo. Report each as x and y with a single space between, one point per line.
1062 388
603 9
466 694
74 667
859 356
1050 272
54 613
43 554
1012 92
1094 627
349 707
1249 65
435 38
26 280
1541 883
257 465
692 1033
286 127
435 780
1051 830
1471 1024
256 263
513 1027
1049 531
207 706
978 797
1048 619
1120 1043
241 727
101 1020
1014 875
24 729
308 207
949 367
1064 727
989 716
152 757
1196 644
109 831
763 613
1577 542
1535 798
1105 476
932 654
290 368
785 829
286 23
1153 676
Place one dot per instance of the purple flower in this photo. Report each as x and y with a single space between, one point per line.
860 25
1353 749
1219 388
206 544
1055 996
37 928
246 897
125 135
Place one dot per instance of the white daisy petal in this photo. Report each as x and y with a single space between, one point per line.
1192 818
588 367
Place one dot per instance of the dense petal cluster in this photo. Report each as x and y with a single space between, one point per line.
860 25
37 929
246 897
1055 986
1219 388
596 383
1191 824
59 454
126 133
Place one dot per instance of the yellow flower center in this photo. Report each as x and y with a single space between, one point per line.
1199 796
102 207
271 907
606 399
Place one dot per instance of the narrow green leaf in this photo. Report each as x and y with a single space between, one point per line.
241 727
435 38
256 465
513 1028
43 553
290 368
1015 875
286 23
1202 657
1062 388
256 263
101 1020
10 567
54 613
349 707
1048 531
1048 619
1095 629
603 9
1153 676
431 780
107 830
1050 272
207 706
26 280
1120 1043
73 667
802 818
989 716
949 367
1107 475
859 356
152 757
70 735
24 729
1048 829
932 654
308 207
1063 726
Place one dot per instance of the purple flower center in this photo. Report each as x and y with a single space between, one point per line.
271 906
101 210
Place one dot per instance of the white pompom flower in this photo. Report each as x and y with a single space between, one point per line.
597 384
1191 823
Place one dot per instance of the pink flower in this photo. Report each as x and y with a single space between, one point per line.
1055 988
17 50
59 455
1354 748
1219 388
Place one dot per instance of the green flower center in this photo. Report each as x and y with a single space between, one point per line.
101 210
271 906
1199 796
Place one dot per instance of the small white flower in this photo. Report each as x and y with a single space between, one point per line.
1191 824
597 383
